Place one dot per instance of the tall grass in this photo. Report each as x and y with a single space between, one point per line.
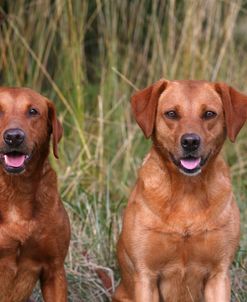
88 57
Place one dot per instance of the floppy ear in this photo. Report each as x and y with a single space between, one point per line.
144 106
57 129
235 108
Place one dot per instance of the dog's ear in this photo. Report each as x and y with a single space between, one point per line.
144 106
56 127
235 108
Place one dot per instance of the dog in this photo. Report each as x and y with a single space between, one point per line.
34 226
181 226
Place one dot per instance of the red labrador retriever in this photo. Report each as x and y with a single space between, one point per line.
34 227
181 225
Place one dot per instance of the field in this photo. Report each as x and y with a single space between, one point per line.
88 57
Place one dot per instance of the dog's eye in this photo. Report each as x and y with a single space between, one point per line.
171 114
208 115
33 112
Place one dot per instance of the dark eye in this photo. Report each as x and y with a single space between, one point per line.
171 114
33 112
208 115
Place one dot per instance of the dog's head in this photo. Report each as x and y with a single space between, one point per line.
189 120
27 120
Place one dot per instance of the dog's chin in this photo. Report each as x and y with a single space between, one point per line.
193 172
190 165
14 162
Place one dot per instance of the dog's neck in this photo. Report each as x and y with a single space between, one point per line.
213 171
165 188
23 191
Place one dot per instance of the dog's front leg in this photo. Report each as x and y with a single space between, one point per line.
218 288
146 289
54 285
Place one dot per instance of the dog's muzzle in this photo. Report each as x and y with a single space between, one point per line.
14 155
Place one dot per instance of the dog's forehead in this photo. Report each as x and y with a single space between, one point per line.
190 92
21 98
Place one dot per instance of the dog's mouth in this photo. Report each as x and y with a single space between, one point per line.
190 165
14 161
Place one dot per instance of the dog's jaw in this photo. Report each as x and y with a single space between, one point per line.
191 173
194 168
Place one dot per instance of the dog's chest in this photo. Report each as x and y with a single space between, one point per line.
15 229
182 251
186 229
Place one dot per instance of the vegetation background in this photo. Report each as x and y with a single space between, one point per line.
89 57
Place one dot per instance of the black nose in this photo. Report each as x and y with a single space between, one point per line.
13 137
190 141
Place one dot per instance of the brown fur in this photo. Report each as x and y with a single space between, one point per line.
180 232
34 227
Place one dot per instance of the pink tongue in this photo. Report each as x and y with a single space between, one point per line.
190 164
14 161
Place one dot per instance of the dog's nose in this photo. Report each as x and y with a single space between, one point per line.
13 137
190 141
